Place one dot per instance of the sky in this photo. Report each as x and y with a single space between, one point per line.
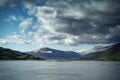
77 25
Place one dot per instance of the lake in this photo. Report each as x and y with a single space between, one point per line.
56 70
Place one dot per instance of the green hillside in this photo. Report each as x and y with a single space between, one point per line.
8 54
112 53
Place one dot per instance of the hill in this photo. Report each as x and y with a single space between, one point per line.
8 54
112 53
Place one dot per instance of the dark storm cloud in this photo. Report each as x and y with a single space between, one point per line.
56 37
92 21
98 19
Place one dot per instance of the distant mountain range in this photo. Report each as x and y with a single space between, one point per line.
110 53
48 53
8 54
106 53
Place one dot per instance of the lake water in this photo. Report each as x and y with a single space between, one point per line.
53 70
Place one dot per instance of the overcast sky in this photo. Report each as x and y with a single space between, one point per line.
77 25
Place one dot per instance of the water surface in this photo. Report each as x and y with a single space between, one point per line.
53 70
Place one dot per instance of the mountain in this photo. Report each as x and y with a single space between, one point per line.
8 54
111 53
100 48
48 53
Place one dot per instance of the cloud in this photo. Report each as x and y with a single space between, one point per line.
92 21
3 42
30 33
72 22
25 24
28 42
12 18
13 3
2 2
15 39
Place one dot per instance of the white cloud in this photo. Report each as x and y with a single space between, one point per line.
30 33
28 42
3 42
25 24
71 40
15 39
12 17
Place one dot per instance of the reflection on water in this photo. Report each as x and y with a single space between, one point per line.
51 70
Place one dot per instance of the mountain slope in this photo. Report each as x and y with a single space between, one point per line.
112 53
48 53
8 54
